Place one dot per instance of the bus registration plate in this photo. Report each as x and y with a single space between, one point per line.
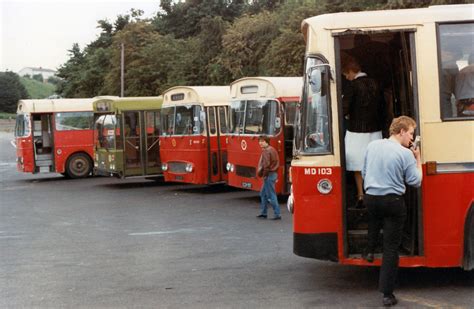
178 177
246 185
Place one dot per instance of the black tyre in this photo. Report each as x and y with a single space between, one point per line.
79 165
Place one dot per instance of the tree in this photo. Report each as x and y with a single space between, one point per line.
285 54
53 80
38 77
70 73
11 91
135 36
182 19
246 43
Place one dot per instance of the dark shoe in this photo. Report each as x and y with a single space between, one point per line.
276 218
262 216
389 301
369 257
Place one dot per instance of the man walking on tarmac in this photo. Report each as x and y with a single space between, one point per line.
389 164
267 168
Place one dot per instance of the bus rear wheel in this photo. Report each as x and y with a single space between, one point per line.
78 165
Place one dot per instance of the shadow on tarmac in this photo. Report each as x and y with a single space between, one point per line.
209 189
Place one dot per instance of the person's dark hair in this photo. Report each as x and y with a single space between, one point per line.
402 122
349 63
264 138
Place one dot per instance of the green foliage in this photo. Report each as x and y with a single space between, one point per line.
53 80
11 91
246 43
7 115
183 19
71 73
38 77
36 89
135 37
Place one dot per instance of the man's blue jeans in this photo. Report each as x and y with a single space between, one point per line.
268 195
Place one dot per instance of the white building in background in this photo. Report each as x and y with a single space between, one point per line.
47 73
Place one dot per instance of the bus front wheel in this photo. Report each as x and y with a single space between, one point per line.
79 165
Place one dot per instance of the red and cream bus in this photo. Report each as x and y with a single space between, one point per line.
419 51
261 106
55 136
193 141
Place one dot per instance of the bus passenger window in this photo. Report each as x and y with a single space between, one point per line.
456 71
212 120
223 120
290 113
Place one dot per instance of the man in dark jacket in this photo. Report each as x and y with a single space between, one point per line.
267 168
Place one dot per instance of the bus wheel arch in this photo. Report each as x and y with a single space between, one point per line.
79 165
468 256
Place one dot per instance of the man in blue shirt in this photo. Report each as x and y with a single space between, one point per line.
388 165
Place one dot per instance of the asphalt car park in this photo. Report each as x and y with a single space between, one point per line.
107 242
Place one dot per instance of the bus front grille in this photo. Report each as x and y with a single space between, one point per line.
177 167
245 171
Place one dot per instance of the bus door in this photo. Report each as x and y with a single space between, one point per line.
288 121
132 144
389 58
43 142
223 121
215 168
152 147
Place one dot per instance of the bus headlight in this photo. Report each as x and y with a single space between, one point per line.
230 167
189 168
164 167
291 202
324 186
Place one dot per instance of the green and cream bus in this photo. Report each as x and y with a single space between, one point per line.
126 136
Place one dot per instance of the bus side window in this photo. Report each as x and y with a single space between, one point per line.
456 70
223 120
212 120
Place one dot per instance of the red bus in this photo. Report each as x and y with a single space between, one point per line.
55 136
193 141
418 51
261 106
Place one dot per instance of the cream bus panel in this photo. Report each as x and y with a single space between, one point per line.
328 160
448 142
206 95
266 87
51 106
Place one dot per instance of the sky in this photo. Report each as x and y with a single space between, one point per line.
39 33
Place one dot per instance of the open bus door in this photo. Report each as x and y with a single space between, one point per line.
43 142
388 57
152 142
141 143
132 144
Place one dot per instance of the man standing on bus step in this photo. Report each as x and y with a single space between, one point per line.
267 168
388 165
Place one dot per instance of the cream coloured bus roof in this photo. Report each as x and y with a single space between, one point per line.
205 95
126 99
389 18
116 104
268 87
54 105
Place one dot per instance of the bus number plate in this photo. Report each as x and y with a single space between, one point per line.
178 177
246 185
